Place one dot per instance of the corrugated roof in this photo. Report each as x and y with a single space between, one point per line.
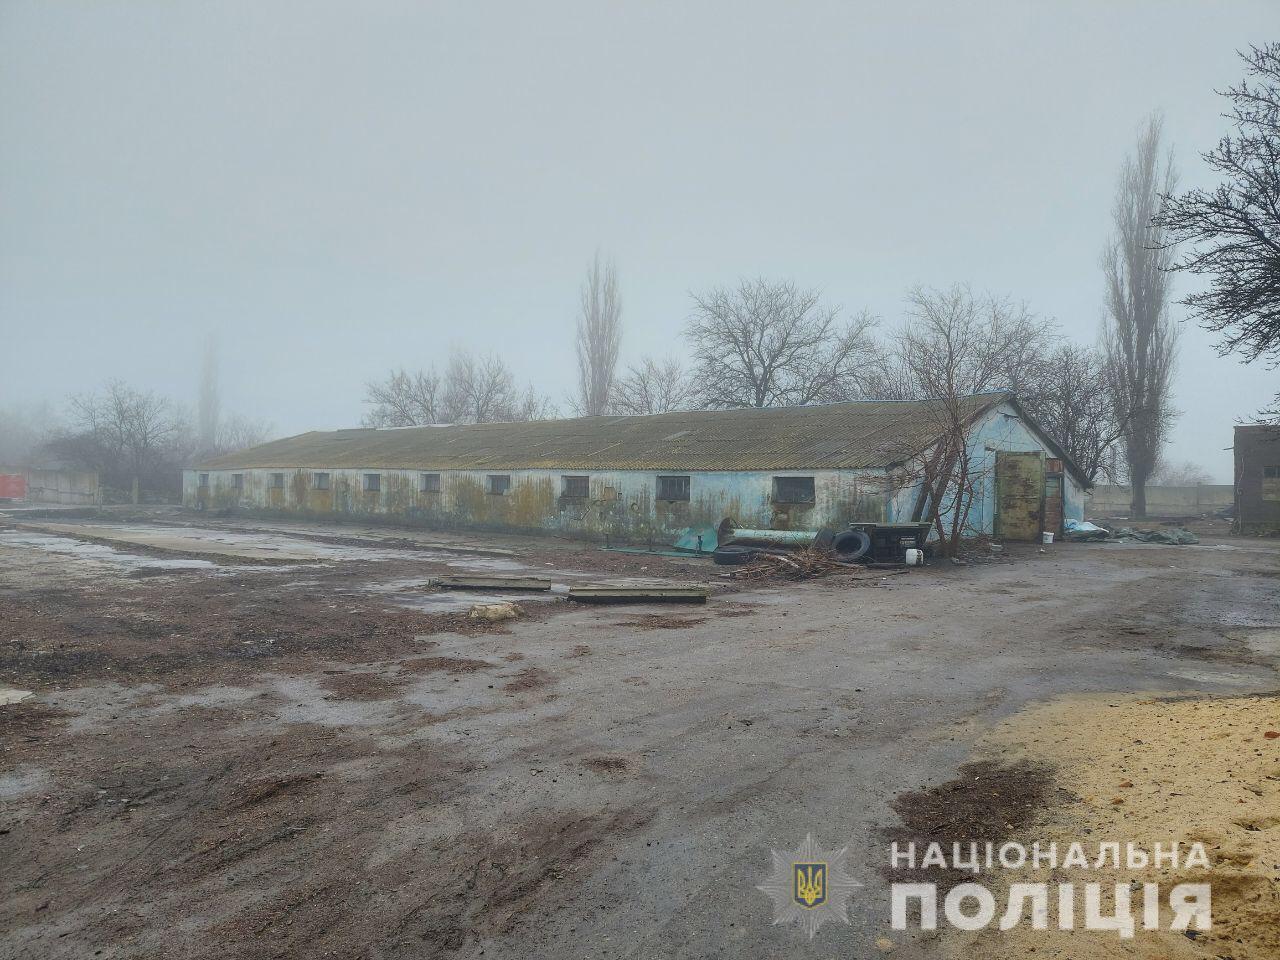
830 436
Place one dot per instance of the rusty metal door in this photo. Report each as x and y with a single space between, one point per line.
1019 495
1053 502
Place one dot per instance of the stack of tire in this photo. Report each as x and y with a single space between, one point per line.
849 546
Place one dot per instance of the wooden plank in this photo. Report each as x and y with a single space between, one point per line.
479 582
658 594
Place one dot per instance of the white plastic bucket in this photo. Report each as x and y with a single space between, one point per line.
1047 537
915 558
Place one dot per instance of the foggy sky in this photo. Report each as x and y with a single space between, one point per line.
338 188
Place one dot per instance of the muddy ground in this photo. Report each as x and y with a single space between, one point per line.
254 759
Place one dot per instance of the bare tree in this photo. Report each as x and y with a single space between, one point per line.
207 408
529 404
478 389
473 389
654 386
1140 340
405 399
1184 474
238 432
952 347
1070 397
765 344
957 344
1233 231
599 338
135 439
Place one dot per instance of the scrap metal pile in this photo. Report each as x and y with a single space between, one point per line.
808 554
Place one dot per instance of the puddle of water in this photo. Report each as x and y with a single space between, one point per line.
271 542
1265 641
1217 677
253 545
80 550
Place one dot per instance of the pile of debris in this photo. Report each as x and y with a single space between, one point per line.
809 554
1082 530
796 565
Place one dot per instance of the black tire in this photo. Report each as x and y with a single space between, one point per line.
852 545
731 556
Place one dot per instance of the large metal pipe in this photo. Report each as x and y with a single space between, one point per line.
780 537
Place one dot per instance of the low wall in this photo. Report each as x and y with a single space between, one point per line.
1171 501
78 487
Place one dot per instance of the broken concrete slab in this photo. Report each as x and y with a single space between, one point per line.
642 594
480 582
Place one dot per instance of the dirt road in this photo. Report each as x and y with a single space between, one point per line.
300 760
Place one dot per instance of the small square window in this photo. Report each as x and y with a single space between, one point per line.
204 480
499 484
1271 473
320 481
429 483
575 488
793 490
673 488
277 481
237 481
372 482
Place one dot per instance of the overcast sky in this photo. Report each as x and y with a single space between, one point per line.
338 188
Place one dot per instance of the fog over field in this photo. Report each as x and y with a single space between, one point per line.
332 190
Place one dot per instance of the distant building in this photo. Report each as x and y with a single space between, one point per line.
1257 449
649 477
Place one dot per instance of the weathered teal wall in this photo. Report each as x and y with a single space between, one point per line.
620 504
1000 429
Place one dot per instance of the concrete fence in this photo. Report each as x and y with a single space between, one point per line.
58 486
1169 501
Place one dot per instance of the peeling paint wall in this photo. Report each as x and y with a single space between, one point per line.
619 504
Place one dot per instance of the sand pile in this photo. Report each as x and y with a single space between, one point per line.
1148 771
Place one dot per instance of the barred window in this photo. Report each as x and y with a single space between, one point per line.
673 488
320 481
793 490
578 488
372 482
237 481
429 483
277 481
204 480
499 484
